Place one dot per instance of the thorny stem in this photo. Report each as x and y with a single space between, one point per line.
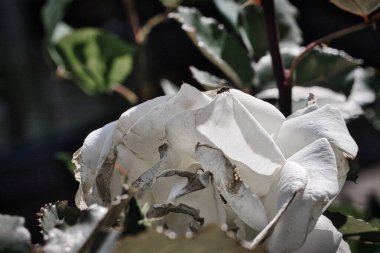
285 90
335 35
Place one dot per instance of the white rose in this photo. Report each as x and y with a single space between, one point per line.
225 156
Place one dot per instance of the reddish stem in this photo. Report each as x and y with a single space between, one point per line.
285 90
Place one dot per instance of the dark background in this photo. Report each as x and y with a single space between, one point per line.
41 115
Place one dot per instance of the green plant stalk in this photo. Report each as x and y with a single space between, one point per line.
284 89
326 39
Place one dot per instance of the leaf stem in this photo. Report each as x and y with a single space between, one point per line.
332 36
285 90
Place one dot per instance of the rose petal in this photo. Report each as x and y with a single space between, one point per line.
203 200
324 238
226 124
97 157
349 108
266 114
166 189
126 120
291 178
240 198
325 122
95 148
148 133
319 162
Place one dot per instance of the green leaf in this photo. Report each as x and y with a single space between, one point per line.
65 157
358 7
220 47
354 228
57 214
326 67
52 13
93 230
248 21
14 237
210 239
252 20
254 29
264 77
208 80
361 247
230 9
347 209
96 59
73 238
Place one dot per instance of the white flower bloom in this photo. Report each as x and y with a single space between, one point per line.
225 156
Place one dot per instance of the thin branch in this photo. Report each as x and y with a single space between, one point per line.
285 91
129 95
149 25
131 12
326 39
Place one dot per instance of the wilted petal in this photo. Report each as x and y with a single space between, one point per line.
95 148
205 201
318 160
148 133
158 188
124 123
168 188
95 161
132 115
239 197
226 124
325 122
324 238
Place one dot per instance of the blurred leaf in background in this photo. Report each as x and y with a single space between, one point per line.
96 59
14 237
65 157
220 47
248 21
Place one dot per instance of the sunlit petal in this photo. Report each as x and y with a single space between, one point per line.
318 161
324 238
325 122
